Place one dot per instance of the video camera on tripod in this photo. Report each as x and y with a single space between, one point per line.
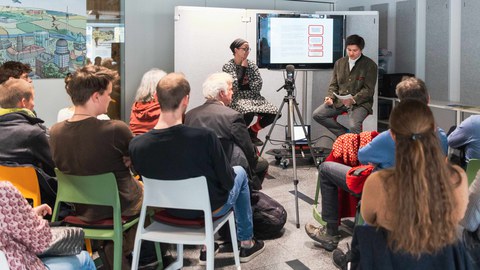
290 130
289 80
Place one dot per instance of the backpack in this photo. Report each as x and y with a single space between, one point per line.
269 216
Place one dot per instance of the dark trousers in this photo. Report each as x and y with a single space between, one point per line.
332 175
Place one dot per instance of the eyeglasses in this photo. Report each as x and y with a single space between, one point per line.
247 49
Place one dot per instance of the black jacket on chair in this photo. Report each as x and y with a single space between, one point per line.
24 140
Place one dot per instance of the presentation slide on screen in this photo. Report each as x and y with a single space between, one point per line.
301 40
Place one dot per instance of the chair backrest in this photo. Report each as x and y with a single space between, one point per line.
191 194
472 168
100 189
24 178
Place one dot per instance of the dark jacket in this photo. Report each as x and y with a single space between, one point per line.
370 251
229 126
359 82
24 140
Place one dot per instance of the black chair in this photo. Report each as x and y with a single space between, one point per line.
389 82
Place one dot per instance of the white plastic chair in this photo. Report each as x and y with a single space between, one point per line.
189 194
3 261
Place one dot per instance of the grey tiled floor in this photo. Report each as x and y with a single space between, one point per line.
294 250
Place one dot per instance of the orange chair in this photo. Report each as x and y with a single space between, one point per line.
24 178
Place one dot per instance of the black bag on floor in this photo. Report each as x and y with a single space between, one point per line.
269 216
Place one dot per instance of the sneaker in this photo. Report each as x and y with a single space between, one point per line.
340 259
319 234
247 254
203 254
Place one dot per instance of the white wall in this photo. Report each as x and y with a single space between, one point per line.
50 97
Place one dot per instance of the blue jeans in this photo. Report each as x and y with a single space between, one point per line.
82 261
332 176
239 199
324 116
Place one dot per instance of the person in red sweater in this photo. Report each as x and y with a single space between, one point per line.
146 110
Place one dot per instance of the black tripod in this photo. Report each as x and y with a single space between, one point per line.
292 103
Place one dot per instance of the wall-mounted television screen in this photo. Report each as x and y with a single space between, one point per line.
307 41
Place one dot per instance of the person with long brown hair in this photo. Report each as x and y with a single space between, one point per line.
421 200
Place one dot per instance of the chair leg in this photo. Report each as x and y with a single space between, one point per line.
210 255
118 252
88 246
158 251
233 235
136 253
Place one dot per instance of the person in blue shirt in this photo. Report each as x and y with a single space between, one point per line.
467 135
379 152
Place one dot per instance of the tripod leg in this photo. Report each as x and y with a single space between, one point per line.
310 146
291 103
267 138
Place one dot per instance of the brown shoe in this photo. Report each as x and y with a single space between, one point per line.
319 234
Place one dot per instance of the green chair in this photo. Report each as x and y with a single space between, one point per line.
96 190
472 168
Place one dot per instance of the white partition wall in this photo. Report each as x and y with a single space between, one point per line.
202 40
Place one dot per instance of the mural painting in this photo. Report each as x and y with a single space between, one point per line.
47 35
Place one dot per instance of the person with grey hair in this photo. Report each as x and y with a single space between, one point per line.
228 124
247 84
146 110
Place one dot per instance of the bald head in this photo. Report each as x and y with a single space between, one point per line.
412 88
171 89
16 93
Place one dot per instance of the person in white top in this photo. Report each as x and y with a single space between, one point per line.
67 113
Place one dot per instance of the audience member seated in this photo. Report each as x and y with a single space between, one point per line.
174 151
467 136
421 200
380 152
228 124
24 137
24 234
84 145
145 110
370 250
15 70
471 222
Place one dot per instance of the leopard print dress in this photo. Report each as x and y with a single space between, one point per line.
249 100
